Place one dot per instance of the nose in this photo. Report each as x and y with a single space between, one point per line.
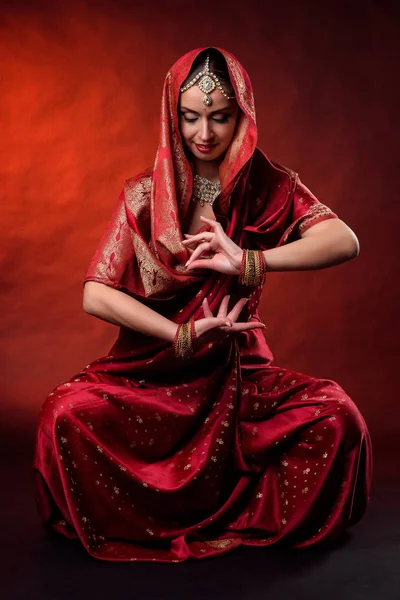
205 132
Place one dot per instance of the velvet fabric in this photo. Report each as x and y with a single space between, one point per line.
145 457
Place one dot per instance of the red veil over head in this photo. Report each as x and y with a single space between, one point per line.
141 251
261 205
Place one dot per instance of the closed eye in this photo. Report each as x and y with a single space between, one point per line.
221 119
189 120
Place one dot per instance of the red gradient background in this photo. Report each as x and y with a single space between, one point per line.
79 110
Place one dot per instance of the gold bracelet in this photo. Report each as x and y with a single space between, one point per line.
253 268
184 338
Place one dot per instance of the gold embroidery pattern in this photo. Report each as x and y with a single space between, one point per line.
245 95
183 180
223 543
164 115
137 198
182 168
314 212
114 251
170 227
154 276
237 151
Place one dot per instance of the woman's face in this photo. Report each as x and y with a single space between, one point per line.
206 131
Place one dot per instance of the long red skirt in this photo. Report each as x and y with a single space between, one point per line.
144 460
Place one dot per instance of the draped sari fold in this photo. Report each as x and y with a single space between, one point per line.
144 457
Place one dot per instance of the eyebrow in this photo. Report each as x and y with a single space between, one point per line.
214 112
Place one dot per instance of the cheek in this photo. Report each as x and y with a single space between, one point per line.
228 134
187 131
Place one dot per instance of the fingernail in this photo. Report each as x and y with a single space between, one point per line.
229 324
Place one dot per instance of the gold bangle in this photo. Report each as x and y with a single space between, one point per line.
253 268
184 338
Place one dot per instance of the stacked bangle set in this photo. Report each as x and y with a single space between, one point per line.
184 338
253 268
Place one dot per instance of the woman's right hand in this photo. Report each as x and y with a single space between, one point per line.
224 324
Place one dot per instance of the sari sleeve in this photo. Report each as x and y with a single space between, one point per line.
114 255
280 207
306 211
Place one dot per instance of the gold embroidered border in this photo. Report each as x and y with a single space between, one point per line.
153 275
245 96
314 212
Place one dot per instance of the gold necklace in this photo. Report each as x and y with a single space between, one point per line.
205 190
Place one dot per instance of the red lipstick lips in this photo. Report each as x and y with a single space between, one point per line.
206 149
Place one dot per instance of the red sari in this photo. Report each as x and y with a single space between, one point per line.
144 457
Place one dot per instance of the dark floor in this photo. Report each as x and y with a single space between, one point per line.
365 565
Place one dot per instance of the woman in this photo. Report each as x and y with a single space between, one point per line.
185 441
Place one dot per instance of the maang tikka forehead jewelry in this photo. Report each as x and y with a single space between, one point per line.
207 82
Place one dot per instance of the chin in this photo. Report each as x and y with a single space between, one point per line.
207 158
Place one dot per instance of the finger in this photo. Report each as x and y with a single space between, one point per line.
206 308
188 243
206 235
204 263
223 307
246 326
197 253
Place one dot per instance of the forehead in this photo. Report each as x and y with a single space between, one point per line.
193 99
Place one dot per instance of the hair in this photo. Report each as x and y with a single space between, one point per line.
218 66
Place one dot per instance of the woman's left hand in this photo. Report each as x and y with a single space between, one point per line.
227 255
